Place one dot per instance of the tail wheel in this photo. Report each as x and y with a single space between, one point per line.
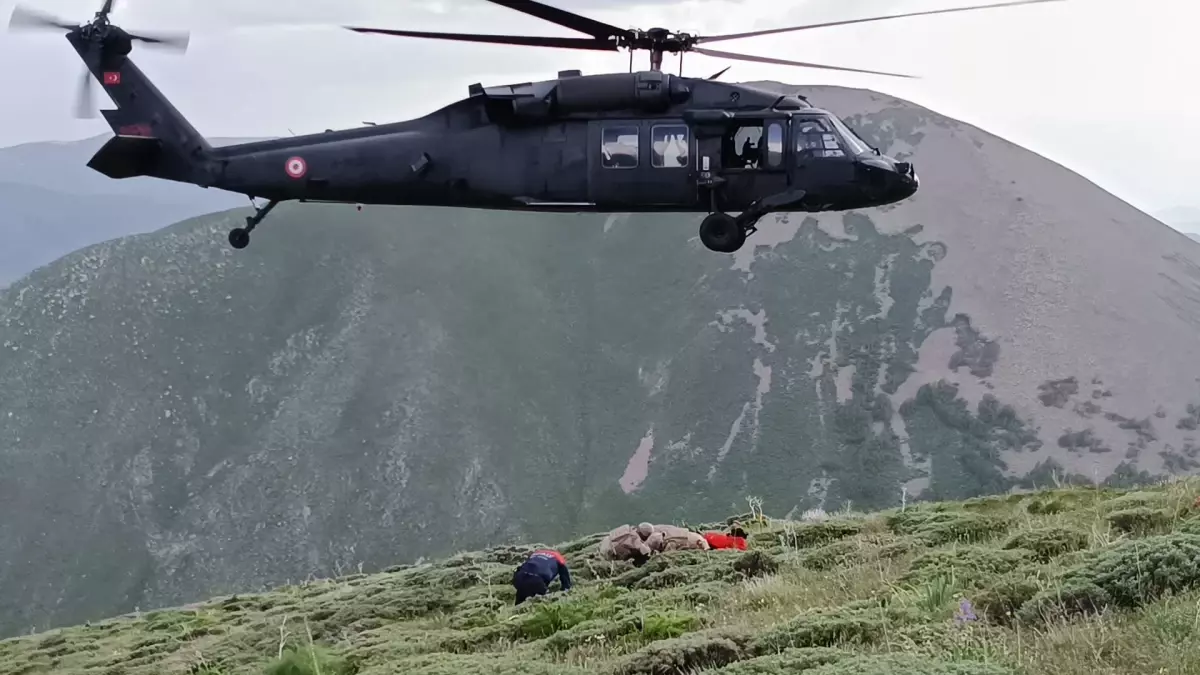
720 232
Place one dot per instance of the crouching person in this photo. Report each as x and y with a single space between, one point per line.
534 575
628 543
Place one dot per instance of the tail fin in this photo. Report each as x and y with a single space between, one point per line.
152 137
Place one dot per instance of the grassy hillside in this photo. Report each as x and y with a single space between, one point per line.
1074 580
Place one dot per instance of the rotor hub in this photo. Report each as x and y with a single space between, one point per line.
659 40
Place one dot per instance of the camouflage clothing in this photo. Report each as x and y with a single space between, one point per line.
624 543
675 538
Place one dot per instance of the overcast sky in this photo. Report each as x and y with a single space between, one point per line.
1103 86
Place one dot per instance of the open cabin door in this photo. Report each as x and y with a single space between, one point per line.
753 159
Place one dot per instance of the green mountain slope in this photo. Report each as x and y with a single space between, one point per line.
992 586
183 420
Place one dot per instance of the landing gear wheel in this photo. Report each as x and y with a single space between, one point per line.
721 233
239 237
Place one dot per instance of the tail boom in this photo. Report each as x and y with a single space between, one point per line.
152 137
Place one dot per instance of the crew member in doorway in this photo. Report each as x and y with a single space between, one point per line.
750 154
534 575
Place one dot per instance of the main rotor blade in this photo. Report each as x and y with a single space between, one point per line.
170 40
523 40
735 36
785 62
23 17
597 29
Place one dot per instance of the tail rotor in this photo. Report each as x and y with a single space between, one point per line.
103 39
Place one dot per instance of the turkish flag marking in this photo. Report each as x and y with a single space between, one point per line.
112 78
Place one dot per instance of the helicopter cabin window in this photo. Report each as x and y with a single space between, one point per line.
669 146
619 148
815 138
774 144
742 146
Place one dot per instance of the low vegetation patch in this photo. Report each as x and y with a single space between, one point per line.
1070 581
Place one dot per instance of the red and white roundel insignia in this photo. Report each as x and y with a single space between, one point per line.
295 167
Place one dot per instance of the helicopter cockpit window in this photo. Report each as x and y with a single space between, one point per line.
669 146
815 138
619 148
855 144
742 146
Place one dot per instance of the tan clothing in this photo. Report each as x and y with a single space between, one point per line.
675 538
622 543
655 542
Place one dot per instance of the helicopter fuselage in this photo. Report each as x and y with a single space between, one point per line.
620 142
617 142
563 146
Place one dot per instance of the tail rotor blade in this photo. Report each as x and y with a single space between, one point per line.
83 99
24 18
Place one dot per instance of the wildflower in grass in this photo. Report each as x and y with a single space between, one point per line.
965 612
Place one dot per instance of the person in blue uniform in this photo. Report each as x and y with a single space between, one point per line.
534 575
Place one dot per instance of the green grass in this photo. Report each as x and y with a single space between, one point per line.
1075 581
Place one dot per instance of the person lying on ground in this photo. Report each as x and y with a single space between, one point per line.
736 539
675 538
627 543
534 575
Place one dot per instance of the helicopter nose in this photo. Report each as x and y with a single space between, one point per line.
908 183
886 181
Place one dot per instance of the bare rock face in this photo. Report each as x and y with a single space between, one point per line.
179 419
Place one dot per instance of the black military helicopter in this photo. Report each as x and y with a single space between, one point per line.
644 141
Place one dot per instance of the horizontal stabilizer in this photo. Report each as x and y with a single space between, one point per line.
127 156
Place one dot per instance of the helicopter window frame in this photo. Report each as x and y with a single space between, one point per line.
823 143
658 160
775 147
611 135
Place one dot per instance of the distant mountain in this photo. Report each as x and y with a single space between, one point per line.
181 419
51 203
